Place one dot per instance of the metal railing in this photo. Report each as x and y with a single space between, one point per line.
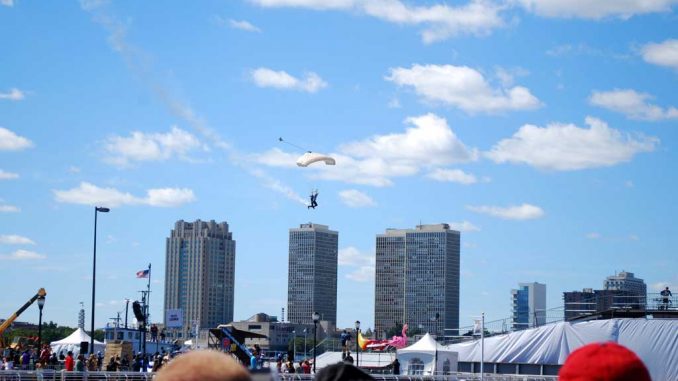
51 375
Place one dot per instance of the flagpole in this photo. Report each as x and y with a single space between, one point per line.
482 346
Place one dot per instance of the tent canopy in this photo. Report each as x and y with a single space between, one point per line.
426 356
653 340
72 343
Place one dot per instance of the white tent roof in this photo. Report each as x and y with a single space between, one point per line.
78 336
72 343
653 340
426 344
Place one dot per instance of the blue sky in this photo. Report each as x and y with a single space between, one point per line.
544 130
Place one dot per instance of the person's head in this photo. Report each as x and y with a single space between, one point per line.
603 362
203 365
667 287
341 371
70 353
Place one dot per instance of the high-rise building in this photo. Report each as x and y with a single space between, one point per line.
417 279
625 281
620 291
312 280
529 305
199 275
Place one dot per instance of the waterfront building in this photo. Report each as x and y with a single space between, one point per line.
528 305
620 291
199 276
417 279
312 274
625 281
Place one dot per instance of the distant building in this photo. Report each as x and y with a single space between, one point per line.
621 291
417 279
312 274
279 334
625 281
199 276
529 305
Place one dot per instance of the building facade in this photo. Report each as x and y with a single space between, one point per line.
620 291
625 281
312 274
199 276
417 279
528 305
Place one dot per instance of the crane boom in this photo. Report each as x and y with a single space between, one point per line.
41 293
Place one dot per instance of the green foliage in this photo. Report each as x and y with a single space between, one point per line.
50 332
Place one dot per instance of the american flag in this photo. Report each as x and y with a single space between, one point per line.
143 273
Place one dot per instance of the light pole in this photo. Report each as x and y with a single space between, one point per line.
294 347
316 319
357 347
94 273
305 353
41 303
126 310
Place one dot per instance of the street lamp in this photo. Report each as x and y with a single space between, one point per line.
316 319
357 347
305 353
94 273
294 346
41 303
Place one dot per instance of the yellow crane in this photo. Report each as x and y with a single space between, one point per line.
40 294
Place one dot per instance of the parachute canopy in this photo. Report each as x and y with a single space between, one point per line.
313 157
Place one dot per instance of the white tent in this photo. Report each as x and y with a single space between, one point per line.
426 356
72 343
655 341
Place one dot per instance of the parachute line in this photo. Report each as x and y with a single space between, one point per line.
292 144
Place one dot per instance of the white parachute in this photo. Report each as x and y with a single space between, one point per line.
313 157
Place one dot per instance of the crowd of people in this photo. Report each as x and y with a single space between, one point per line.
30 359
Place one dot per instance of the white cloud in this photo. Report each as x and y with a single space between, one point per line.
440 21
375 161
243 25
452 176
13 239
5 208
507 76
277 186
593 235
462 87
276 157
356 199
464 226
140 146
7 3
566 147
632 104
351 256
663 54
8 175
9 141
362 274
169 197
659 286
264 77
13 94
89 194
595 10
74 169
21 255
520 212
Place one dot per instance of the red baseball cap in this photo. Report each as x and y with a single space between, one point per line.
603 362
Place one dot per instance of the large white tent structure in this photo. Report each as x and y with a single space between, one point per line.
72 343
427 357
655 341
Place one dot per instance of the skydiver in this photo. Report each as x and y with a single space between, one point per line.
314 203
